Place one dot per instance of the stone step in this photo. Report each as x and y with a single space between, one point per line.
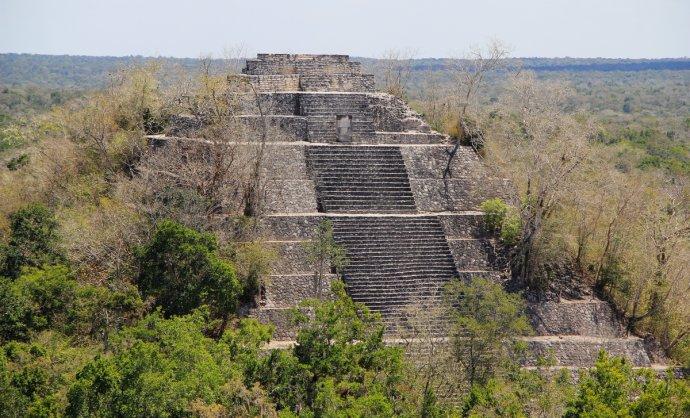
352 179
420 266
382 247
419 276
386 257
394 262
358 163
339 153
363 195
592 317
351 170
377 210
361 190
391 235
583 351
362 258
364 179
361 206
382 291
371 248
363 266
386 232
393 240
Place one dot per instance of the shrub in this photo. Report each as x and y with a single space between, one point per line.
17 162
166 367
495 211
181 270
502 219
33 240
51 298
511 228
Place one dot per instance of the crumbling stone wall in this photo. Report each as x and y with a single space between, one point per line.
301 64
337 82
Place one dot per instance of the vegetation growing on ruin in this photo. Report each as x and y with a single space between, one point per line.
122 290
599 165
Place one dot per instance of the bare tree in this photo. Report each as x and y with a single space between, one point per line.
219 165
397 69
470 75
664 246
542 150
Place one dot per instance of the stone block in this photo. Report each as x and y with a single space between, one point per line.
430 162
589 317
474 254
463 225
289 227
290 290
290 196
292 258
578 351
455 195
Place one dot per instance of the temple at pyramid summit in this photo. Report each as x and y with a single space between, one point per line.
403 206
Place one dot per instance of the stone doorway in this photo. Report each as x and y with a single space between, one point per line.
343 128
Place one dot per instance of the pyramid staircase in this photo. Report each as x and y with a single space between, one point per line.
394 263
360 179
406 227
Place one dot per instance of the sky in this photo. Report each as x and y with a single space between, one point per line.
430 28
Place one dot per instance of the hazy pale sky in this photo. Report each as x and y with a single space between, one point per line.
434 28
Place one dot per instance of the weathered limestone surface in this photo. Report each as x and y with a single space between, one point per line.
474 254
404 211
287 291
337 82
588 317
273 82
583 351
465 225
405 138
391 114
290 227
301 64
280 128
285 196
293 257
282 320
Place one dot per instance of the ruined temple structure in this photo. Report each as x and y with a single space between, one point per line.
368 163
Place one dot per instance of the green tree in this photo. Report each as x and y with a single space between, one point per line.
51 298
340 364
487 322
181 270
34 376
325 254
33 240
613 389
169 367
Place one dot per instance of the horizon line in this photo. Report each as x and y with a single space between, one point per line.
210 56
